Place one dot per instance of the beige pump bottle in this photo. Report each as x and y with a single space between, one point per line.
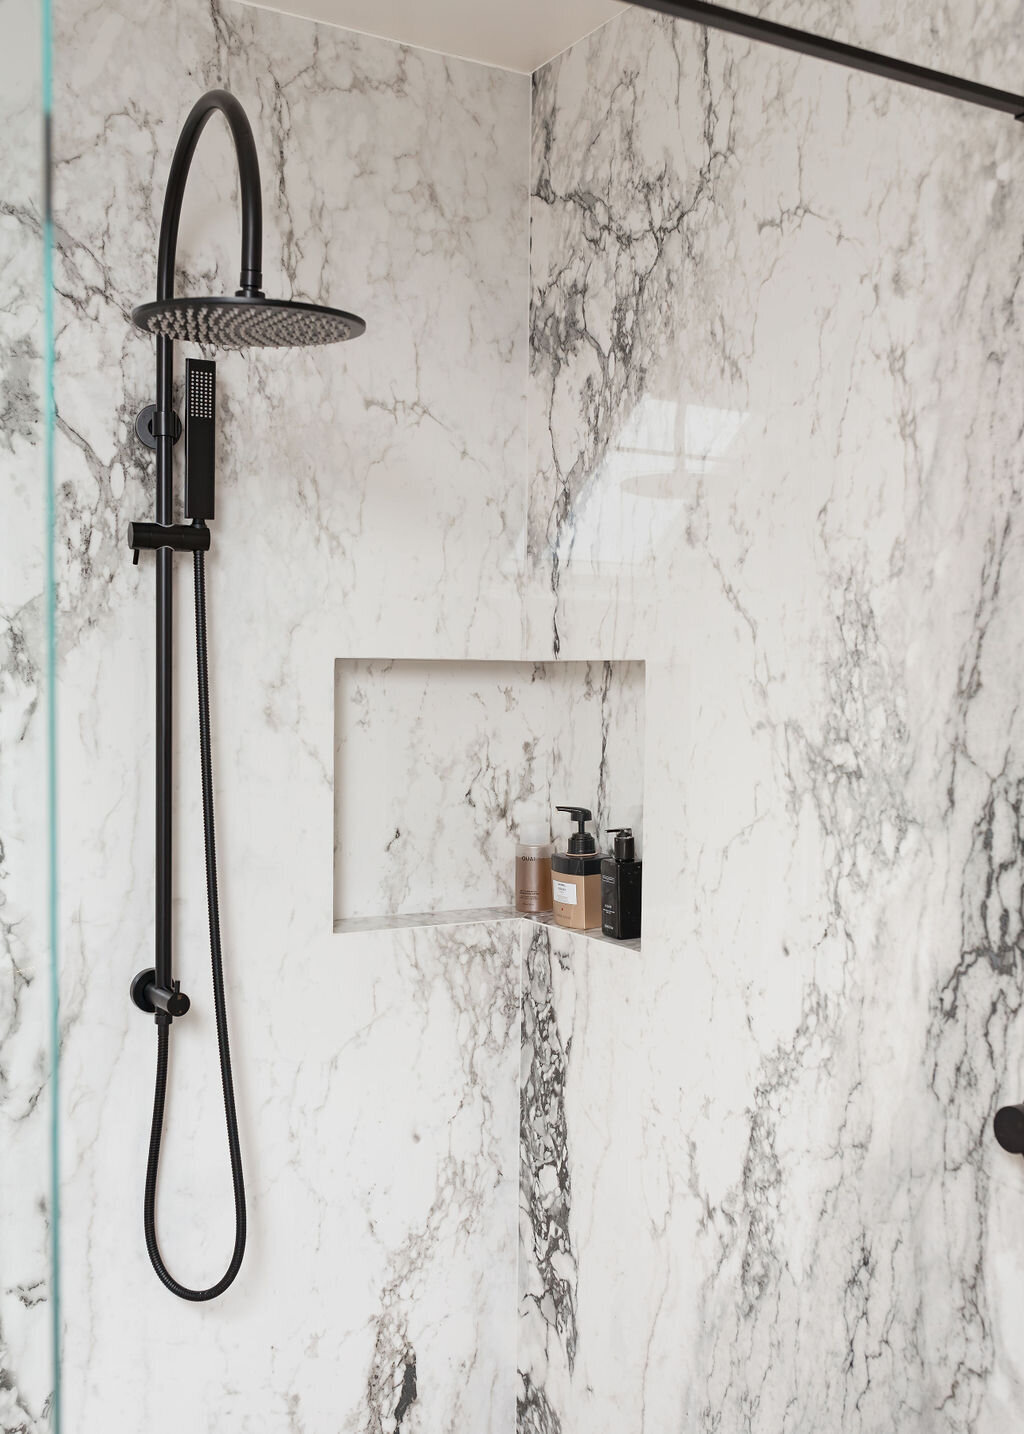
576 877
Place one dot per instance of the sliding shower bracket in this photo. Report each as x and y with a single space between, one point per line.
177 537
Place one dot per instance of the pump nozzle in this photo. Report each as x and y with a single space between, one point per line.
625 845
581 842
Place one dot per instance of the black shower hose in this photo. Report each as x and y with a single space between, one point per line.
219 1004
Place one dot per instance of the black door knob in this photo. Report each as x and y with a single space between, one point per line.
1009 1128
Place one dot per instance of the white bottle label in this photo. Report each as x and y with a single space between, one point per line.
565 892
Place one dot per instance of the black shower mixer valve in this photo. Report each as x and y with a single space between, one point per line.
158 1000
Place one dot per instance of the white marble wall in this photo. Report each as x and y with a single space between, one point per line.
774 406
26 1359
369 498
776 448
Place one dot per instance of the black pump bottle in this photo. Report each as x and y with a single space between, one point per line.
621 879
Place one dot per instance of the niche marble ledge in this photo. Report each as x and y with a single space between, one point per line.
472 916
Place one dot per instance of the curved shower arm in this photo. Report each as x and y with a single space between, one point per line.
251 277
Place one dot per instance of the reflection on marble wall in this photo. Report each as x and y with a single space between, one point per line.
436 762
369 496
26 1358
776 450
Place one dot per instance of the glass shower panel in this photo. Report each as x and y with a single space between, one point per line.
29 1307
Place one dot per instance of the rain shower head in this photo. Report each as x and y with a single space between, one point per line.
247 322
248 319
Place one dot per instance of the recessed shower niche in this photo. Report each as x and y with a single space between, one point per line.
434 761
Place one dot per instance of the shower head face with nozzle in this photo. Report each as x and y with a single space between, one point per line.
243 322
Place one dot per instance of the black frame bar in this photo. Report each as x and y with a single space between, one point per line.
751 27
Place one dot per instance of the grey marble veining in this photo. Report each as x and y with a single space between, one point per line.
547 1260
775 423
773 407
370 492
26 1086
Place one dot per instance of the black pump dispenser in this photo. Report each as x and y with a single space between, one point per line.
625 844
581 842
621 887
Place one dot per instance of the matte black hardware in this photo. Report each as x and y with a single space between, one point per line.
247 319
752 27
621 887
151 425
625 843
178 537
140 985
151 998
581 842
1009 1128
200 430
250 278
